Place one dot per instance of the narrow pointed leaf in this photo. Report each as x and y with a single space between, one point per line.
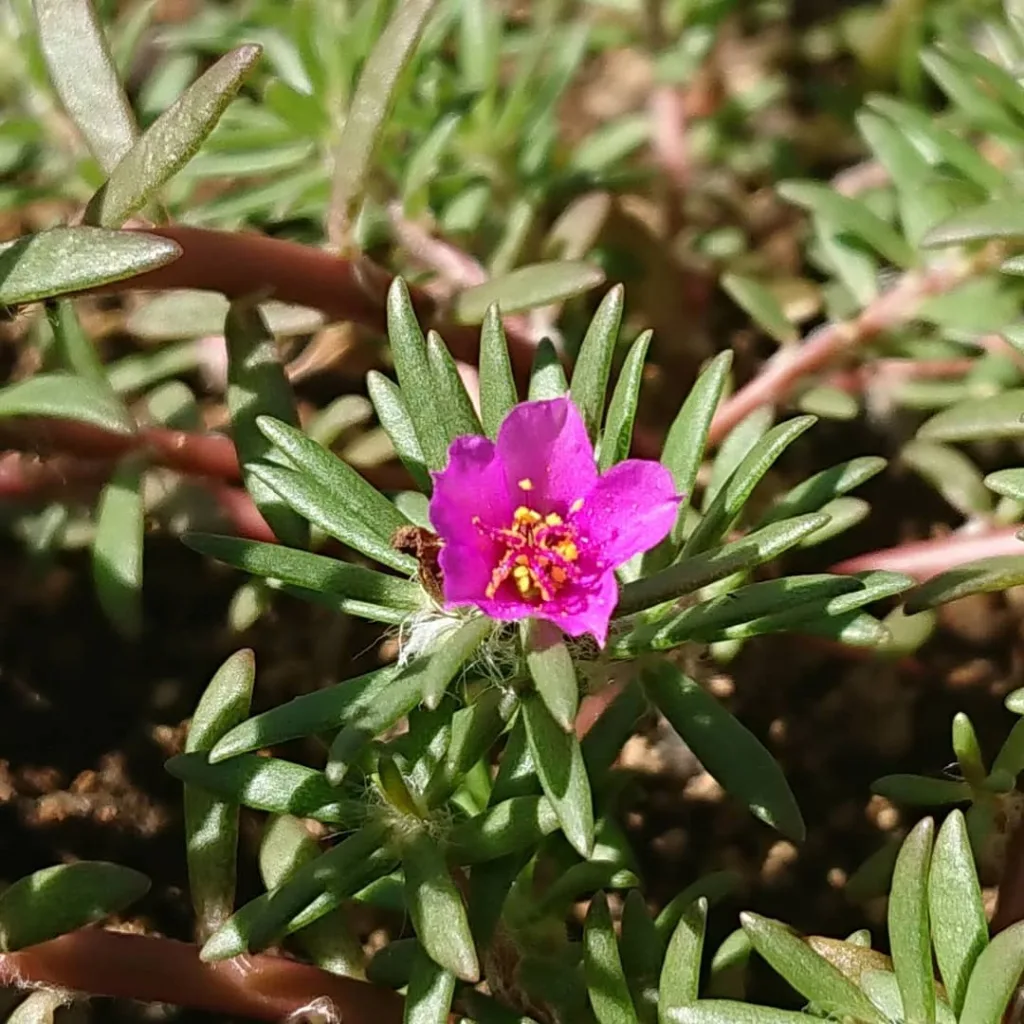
687 437
368 111
409 350
316 712
999 219
266 784
83 73
393 413
76 352
951 473
698 571
257 386
497 385
727 1011
171 141
526 288
978 419
727 749
117 548
519 823
428 999
451 656
909 935
618 428
316 504
559 763
602 967
817 491
994 979
211 825
61 899
729 502
981 577
452 401
436 908
641 949
335 476
920 790
553 672
680 972
358 591
761 305
64 260
547 377
958 923
594 363
808 972
1009 483
63 396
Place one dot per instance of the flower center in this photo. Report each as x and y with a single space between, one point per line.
539 556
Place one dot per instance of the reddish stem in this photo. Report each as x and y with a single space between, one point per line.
157 970
926 558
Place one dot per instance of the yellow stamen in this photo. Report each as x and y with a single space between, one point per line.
568 550
576 505
520 571
524 515
523 584
526 484
553 519
522 560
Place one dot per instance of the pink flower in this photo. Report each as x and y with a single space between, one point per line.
531 530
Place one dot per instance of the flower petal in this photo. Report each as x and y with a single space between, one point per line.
466 570
629 510
546 444
584 609
472 485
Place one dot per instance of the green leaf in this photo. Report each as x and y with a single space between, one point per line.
547 377
728 750
451 655
687 437
1003 218
680 972
425 162
360 498
64 260
979 419
266 784
63 396
1009 483
393 413
851 216
756 601
559 764
602 967
117 547
691 574
83 74
331 942
526 288
950 472
607 736
981 577
436 908
618 428
61 899
452 402
920 790
726 1011
314 502
257 386
211 825
995 977
735 447
808 972
518 823
430 993
497 385
828 403
367 114
552 669
814 493
76 352
908 925
761 305
359 591
642 951
711 888
171 141
730 500
315 888
409 350
319 711
958 924
594 362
